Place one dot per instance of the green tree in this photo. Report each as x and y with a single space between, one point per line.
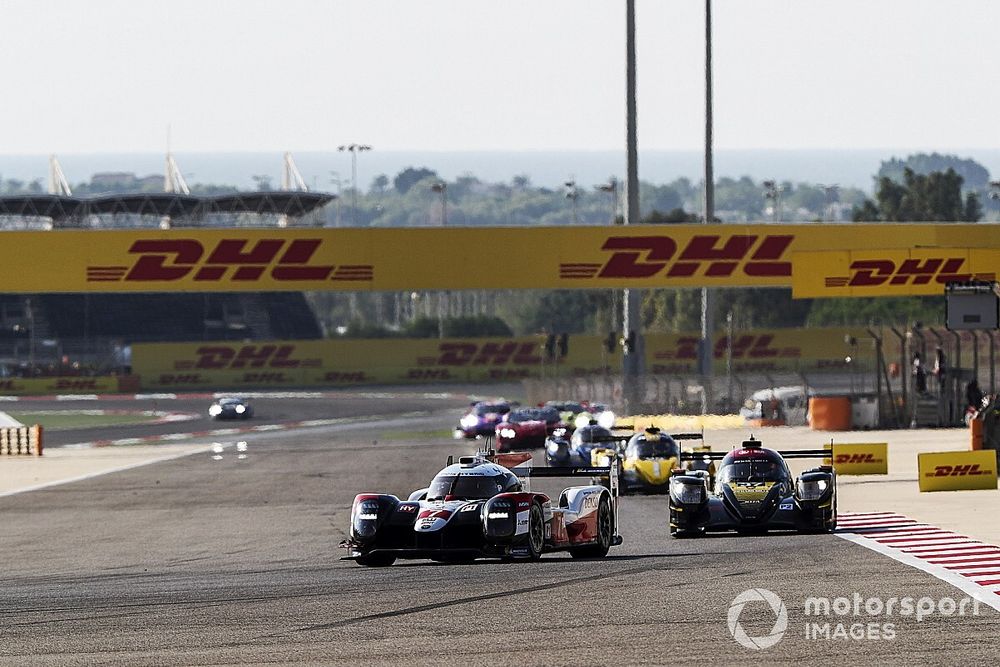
934 197
409 177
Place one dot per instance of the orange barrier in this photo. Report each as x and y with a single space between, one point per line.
976 433
832 413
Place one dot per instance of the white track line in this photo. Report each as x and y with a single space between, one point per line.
974 569
80 478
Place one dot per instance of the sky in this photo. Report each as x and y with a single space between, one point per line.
111 76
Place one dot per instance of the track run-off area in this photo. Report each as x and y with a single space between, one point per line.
222 556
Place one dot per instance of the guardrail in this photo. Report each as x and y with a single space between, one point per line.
21 441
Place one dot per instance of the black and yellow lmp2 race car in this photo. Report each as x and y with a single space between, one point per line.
753 492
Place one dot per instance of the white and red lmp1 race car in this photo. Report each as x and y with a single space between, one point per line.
478 508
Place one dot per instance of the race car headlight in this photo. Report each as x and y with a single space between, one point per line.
582 419
553 446
558 433
240 409
811 489
603 460
498 515
687 494
215 411
606 419
507 433
469 421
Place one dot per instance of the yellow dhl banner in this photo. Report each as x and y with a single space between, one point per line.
889 272
289 259
60 385
860 458
356 361
953 471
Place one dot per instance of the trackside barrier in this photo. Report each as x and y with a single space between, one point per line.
954 471
976 433
21 440
860 458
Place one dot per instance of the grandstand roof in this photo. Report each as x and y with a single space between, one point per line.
58 207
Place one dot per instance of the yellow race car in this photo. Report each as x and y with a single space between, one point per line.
647 459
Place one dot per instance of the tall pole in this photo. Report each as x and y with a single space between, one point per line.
354 149
705 348
632 353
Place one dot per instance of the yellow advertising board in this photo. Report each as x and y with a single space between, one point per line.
762 350
874 272
338 362
59 385
421 258
953 471
860 458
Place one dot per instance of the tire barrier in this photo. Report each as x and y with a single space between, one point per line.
21 441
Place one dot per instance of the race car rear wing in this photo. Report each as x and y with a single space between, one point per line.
792 454
626 438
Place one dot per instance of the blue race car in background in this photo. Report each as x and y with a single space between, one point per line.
576 450
481 420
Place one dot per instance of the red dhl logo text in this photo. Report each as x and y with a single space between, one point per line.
170 379
165 260
970 470
840 459
877 272
225 357
747 346
485 354
709 255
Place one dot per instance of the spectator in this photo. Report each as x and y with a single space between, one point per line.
973 395
919 374
940 367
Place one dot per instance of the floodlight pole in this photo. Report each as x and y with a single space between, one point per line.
354 149
631 326
705 345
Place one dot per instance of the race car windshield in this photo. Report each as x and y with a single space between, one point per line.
752 471
230 401
492 409
652 449
524 416
467 487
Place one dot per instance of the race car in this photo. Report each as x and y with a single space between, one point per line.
528 427
578 414
754 492
576 449
479 507
230 408
648 459
481 419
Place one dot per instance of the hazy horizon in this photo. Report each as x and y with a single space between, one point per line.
844 167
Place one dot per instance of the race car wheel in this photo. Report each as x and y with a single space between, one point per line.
376 560
605 533
536 532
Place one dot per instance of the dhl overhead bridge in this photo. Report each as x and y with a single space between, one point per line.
815 260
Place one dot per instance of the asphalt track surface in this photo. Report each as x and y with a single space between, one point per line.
205 561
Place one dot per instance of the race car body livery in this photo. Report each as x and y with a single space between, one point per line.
754 492
480 508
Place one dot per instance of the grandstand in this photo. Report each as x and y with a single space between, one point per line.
76 333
